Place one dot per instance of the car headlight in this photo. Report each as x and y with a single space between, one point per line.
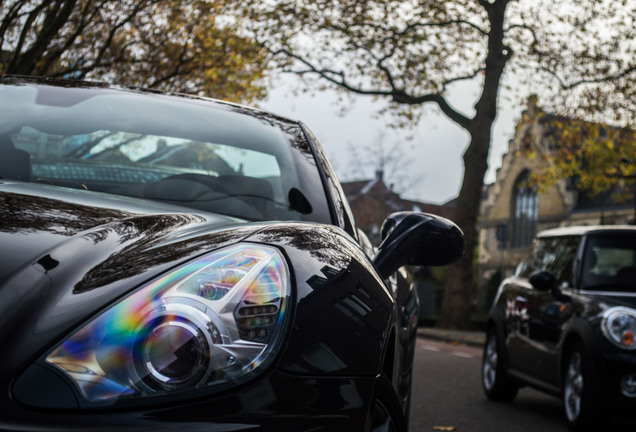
209 322
619 326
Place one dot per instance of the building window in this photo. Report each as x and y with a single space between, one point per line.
525 212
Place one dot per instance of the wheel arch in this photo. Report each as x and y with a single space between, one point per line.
497 320
587 411
579 330
496 382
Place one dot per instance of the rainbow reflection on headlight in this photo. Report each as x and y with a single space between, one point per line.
211 321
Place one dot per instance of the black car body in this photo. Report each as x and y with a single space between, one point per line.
565 324
174 262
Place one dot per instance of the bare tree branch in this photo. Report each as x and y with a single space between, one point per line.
397 95
598 80
53 22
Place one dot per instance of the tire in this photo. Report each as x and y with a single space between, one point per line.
579 403
386 411
496 384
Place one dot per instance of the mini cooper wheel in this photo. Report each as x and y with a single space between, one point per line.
496 384
578 393
387 414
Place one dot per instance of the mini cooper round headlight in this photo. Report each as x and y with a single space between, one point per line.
211 321
619 326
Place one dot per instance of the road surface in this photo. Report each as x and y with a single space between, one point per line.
447 396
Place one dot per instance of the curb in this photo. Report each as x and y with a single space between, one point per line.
473 338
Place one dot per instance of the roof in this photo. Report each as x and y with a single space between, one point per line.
353 188
108 87
582 230
376 186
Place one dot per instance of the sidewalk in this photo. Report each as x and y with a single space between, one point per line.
474 338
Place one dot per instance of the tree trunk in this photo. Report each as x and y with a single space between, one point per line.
457 304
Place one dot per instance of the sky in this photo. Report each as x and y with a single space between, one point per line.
434 155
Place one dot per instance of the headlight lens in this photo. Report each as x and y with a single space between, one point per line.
212 321
619 326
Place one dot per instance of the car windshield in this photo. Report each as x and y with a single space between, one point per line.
552 254
177 150
609 263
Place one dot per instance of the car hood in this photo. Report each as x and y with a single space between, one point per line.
608 300
68 253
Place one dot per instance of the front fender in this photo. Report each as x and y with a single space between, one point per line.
581 330
343 310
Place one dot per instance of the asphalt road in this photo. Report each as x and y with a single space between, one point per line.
447 396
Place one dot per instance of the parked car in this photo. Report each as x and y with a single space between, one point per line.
174 262
565 324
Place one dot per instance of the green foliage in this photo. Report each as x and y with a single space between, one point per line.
195 46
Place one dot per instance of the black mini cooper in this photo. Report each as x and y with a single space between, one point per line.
565 323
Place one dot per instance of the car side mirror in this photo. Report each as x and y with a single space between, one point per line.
543 281
413 238
546 281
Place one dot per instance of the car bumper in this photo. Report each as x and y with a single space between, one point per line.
618 366
277 402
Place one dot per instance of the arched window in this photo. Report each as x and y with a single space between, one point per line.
525 212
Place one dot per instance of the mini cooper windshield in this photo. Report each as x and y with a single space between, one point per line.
190 152
609 263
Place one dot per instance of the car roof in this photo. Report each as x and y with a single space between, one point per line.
96 85
582 230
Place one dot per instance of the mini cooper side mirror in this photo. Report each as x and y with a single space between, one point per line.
413 238
546 281
543 281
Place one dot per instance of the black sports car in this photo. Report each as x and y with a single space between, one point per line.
566 324
173 262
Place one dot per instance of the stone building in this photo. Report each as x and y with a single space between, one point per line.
517 212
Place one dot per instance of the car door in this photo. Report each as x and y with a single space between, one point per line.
515 299
545 318
546 311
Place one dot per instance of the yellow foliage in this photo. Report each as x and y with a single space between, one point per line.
599 156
